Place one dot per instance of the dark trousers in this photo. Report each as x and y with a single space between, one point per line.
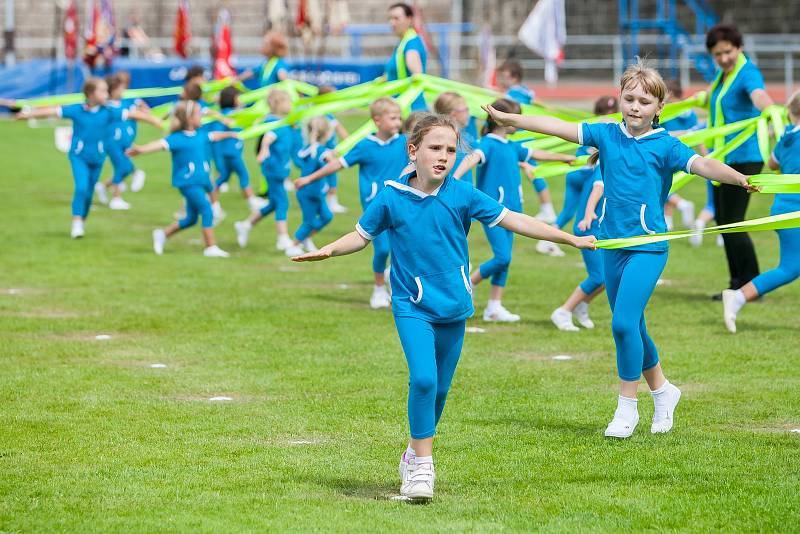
730 203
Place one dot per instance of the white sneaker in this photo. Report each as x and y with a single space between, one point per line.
403 467
549 248
117 203
159 238
380 298
337 208
122 187
418 482
729 310
288 184
665 409
242 232
720 241
687 213
77 230
500 315
546 217
294 250
696 239
215 252
224 187
563 320
581 313
102 194
309 245
256 203
137 180
219 213
283 242
620 428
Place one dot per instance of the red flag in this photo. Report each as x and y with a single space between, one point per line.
183 29
100 32
222 46
71 31
302 18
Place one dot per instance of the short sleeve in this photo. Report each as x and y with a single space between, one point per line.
171 142
681 157
486 209
117 113
593 134
523 153
777 153
483 149
355 156
417 46
597 176
69 112
375 218
752 79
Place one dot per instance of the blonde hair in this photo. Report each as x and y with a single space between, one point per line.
427 123
91 85
648 78
319 130
412 120
793 105
276 44
382 106
279 101
448 102
181 114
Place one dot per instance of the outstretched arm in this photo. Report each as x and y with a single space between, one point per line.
347 244
39 113
712 169
469 161
332 166
522 224
546 155
140 115
219 136
547 125
149 148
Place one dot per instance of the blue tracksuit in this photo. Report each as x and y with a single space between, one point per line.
377 162
87 152
190 174
498 177
787 155
275 169
311 198
121 135
431 291
229 156
637 173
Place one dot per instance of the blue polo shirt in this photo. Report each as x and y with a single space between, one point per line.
737 106
311 160
520 93
90 129
428 239
189 164
276 166
498 170
787 154
683 122
229 147
377 162
123 132
637 174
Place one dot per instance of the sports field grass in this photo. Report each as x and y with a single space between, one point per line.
95 439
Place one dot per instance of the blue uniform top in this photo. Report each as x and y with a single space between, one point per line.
271 77
391 67
377 162
637 173
90 129
520 93
232 146
189 163
276 166
591 177
428 239
123 132
683 122
310 157
787 154
498 170
737 106
297 144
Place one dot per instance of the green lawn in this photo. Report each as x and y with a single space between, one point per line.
92 438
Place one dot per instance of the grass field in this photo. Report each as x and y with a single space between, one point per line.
95 439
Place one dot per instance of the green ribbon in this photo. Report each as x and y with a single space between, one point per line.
775 222
400 53
776 183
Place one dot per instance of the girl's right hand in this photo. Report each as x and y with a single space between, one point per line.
262 156
585 242
301 182
317 255
586 223
133 151
499 117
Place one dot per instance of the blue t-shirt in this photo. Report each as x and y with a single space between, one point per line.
90 129
311 160
637 173
228 147
269 78
276 166
297 144
498 170
377 162
520 93
123 132
737 106
391 67
591 177
683 122
428 240
189 163
787 154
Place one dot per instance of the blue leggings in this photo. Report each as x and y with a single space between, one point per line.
432 351
278 200
333 180
593 261
788 269
196 204
316 214
572 196
501 241
233 164
85 176
539 184
631 277
122 164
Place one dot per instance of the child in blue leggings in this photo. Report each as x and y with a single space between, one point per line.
190 174
87 153
637 161
427 214
785 157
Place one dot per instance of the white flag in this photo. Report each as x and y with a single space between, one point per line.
545 32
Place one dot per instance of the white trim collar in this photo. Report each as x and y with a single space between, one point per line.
407 188
495 136
646 134
375 138
796 129
189 132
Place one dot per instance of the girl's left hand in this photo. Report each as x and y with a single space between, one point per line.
301 183
133 151
747 185
584 242
317 255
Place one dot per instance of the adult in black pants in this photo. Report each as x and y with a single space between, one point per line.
737 93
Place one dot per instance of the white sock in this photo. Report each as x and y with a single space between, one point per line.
334 199
493 305
547 207
662 389
682 204
410 453
627 409
668 219
247 223
380 288
423 460
739 300
699 224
